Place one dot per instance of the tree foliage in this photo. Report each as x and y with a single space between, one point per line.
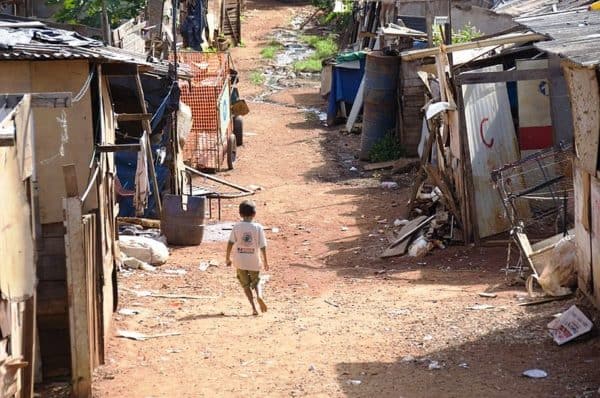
89 12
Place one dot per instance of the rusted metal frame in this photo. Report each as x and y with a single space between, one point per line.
219 180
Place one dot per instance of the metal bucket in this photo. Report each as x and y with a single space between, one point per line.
380 99
182 219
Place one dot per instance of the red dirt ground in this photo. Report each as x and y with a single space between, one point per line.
341 321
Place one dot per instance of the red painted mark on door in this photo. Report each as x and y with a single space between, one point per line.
487 144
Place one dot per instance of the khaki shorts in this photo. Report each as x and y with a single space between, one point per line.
248 278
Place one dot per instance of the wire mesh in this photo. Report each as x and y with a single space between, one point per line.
538 196
205 148
538 191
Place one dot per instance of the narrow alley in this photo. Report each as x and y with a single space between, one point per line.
341 321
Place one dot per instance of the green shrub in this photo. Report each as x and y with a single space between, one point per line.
466 34
325 47
257 78
386 149
312 65
271 50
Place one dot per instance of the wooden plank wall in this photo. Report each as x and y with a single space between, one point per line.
584 93
412 99
231 25
129 36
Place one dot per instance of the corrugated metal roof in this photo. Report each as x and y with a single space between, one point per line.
525 8
575 34
23 42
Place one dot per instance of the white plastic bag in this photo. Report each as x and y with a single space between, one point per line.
420 247
144 249
559 275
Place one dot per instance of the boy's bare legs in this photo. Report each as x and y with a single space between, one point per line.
248 292
259 298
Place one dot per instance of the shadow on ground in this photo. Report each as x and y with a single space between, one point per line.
488 366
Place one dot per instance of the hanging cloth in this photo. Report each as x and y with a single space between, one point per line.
142 182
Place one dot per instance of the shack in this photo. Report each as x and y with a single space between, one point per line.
573 37
18 221
501 106
74 187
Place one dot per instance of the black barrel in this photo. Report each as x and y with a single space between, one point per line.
182 219
380 99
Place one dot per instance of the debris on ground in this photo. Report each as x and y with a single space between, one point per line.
144 249
354 382
204 265
480 307
488 295
145 293
128 311
332 303
389 185
175 271
134 263
434 365
569 325
141 336
535 373
559 276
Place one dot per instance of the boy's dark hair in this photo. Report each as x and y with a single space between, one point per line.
247 208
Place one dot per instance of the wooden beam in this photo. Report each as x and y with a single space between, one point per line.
133 117
500 77
70 177
79 326
29 347
496 41
118 147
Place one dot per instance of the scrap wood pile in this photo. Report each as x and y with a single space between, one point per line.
437 215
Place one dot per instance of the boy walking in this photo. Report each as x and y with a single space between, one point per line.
246 240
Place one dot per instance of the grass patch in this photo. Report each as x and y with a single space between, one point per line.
325 47
257 78
386 149
271 50
308 65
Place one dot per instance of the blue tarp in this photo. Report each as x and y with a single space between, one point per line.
162 96
344 86
126 163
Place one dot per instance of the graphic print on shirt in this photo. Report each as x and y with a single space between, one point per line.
248 243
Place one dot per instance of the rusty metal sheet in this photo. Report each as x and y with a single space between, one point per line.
492 144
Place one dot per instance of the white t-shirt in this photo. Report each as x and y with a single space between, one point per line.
247 238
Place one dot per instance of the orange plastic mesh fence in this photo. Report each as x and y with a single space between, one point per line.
203 148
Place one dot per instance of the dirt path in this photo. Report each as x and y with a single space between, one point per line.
341 321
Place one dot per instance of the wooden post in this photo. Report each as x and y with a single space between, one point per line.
79 326
146 125
29 347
